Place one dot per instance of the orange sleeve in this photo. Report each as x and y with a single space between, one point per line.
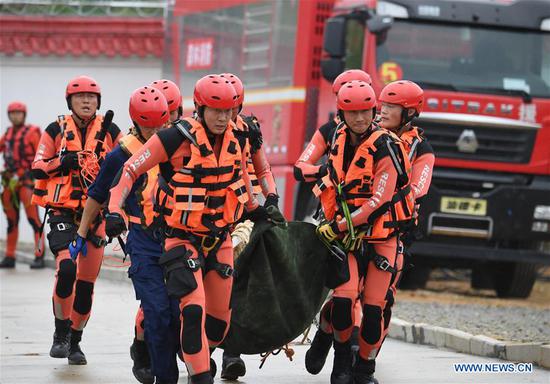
422 171
305 168
385 182
263 172
46 161
252 202
151 154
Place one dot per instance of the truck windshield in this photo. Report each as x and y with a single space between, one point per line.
480 59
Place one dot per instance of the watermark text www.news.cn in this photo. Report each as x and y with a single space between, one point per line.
493 367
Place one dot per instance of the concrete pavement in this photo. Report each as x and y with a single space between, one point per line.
26 327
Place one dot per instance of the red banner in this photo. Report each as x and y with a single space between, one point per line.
199 53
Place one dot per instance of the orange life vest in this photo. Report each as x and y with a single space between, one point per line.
18 153
207 194
146 193
356 183
69 191
412 139
256 188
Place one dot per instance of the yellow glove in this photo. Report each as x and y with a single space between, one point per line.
328 231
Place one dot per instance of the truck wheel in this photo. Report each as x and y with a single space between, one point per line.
415 278
515 279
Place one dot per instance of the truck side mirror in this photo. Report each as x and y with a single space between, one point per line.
378 24
334 42
331 67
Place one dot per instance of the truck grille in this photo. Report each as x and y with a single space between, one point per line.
453 180
493 144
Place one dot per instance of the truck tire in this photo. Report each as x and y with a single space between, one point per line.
415 278
515 280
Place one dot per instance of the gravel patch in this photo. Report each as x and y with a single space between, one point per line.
503 323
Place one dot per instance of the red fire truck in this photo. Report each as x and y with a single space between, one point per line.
485 68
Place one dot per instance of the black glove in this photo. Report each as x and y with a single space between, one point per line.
271 200
323 170
69 161
257 214
271 206
114 225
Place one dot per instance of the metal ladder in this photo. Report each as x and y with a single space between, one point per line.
257 40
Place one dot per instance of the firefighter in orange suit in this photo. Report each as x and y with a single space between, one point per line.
261 181
19 145
368 172
401 101
66 163
308 170
201 194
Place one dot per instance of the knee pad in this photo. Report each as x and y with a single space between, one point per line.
341 313
11 225
372 317
326 312
191 338
215 328
83 297
66 276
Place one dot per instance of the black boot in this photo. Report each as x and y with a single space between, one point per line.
232 366
363 372
341 369
201 378
142 363
7 262
38 263
354 345
317 354
76 356
61 339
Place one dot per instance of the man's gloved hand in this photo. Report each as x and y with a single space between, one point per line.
323 170
328 231
257 214
78 245
114 224
69 161
272 207
271 200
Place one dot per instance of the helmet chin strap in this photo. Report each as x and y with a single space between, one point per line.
140 133
82 121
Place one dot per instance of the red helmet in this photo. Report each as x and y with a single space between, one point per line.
170 91
352 74
356 95
148 108
404 93
237 84
17 106
82 84
215 92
